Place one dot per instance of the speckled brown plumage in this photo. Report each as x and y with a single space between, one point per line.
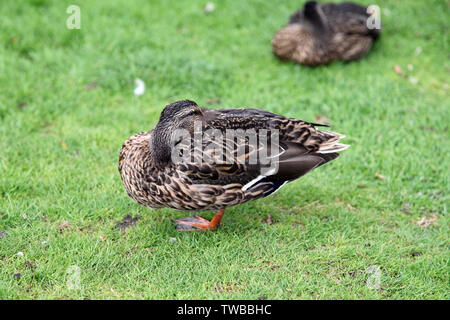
152 179
320 33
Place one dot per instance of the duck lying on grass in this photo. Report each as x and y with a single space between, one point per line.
321 33
197 159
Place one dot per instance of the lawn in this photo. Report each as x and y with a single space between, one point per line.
373 224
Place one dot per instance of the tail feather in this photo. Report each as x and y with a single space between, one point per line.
338 147
332 144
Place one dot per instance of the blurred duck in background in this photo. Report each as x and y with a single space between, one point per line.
322 32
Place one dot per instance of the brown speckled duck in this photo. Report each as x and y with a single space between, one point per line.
155 178
323 32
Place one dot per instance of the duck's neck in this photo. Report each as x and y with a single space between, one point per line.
160 144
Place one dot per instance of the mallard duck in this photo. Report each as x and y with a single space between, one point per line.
158 168
323 32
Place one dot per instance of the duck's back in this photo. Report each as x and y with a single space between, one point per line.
348 18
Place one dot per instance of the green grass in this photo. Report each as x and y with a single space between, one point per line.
60 141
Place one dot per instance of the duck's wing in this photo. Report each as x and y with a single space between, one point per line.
296 149
288 129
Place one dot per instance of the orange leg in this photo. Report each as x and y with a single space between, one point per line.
196 223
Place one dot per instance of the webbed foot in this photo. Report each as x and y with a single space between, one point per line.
194 223
197 223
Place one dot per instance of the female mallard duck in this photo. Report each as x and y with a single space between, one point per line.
180 164
321 33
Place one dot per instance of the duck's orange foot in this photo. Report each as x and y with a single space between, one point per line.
196 223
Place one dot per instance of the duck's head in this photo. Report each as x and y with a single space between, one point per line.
179 115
